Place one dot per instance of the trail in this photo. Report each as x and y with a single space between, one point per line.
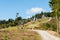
46 36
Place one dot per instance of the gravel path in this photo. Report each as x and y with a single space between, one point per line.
46 36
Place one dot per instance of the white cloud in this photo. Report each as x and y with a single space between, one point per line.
28 16
34 10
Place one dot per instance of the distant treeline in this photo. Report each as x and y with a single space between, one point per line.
39 15
20 20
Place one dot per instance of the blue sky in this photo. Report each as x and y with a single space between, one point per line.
25 8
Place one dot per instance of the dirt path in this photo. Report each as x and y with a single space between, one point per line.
46 36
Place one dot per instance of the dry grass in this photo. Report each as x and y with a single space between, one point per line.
54 33
18 34
35 24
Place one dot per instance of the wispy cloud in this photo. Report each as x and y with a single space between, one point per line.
34 10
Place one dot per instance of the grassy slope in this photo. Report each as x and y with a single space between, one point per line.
36 23
14 33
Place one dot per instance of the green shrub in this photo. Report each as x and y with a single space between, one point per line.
50 25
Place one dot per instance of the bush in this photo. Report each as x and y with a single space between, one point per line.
50 25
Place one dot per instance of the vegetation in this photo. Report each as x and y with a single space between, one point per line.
39 15
13 28
20 21
51 25
55 5
11 22
15 34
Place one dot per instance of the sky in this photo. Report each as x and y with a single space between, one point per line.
25 8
